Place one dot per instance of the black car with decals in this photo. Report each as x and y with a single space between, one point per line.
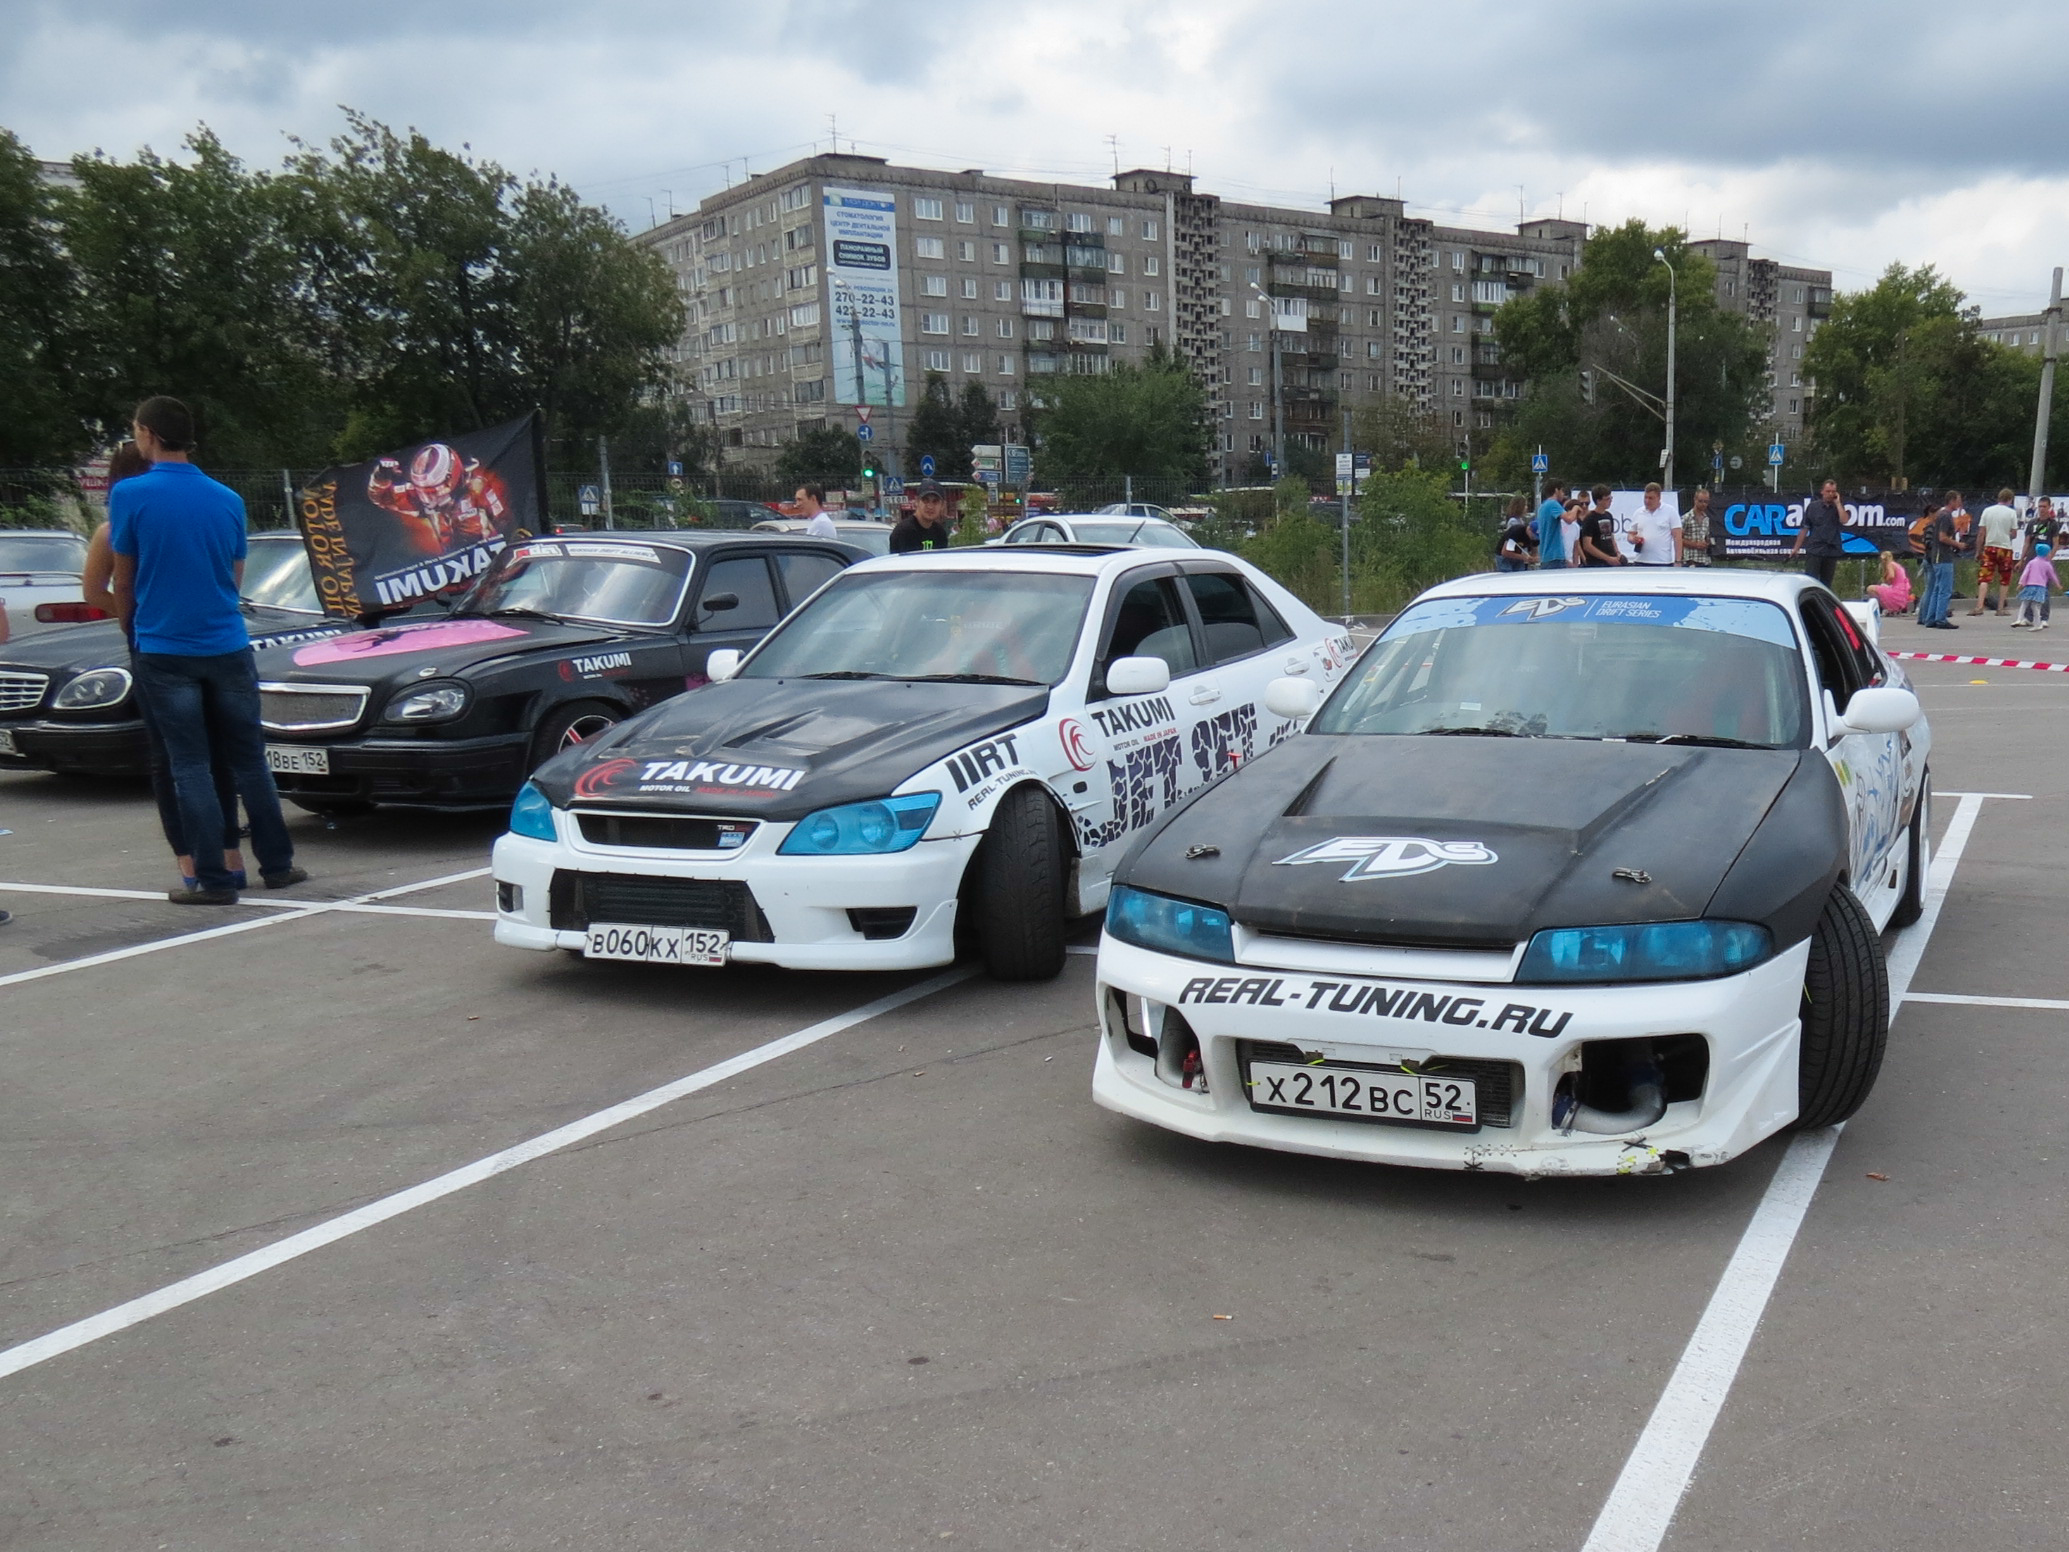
563 637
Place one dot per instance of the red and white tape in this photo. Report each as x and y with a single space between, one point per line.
1984 662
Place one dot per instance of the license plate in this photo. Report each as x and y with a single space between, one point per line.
658 945
7 742
291 760
1367 1095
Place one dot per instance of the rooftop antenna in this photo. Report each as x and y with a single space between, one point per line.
1167 158
833 128
1113 144
1562 204
671 202
1332 185
1188 161
1522 211
652 219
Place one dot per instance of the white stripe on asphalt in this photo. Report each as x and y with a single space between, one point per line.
68 1338
1986 1002
305 911
1641 1505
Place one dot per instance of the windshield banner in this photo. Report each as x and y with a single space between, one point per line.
1753 617
414 522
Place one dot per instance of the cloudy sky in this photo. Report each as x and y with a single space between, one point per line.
1841 133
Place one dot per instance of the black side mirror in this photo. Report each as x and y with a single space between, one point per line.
719 602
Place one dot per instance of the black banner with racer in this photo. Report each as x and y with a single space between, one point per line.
384 533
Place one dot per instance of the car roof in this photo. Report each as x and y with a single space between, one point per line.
1090 560
41 533
680 539
1782 587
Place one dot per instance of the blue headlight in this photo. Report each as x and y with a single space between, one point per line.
532 815
862 829
1169 926
1651 951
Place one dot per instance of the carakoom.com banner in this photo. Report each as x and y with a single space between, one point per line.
384 533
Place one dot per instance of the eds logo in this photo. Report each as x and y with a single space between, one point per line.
1539 608
1390 856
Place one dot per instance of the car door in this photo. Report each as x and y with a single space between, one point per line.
1244 646
748 580
1869 765
804 571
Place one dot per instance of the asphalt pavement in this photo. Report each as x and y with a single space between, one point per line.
898 1283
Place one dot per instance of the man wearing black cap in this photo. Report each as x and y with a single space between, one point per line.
927 528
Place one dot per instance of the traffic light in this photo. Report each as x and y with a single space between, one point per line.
869 468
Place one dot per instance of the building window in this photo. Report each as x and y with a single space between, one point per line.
972 361
965 212
1254 342
1795 352
1795 406
1005 328
936 360
804 315
1088 331
1345 248
1040 329
1372 382
933 285
1795 379
929 247
1458 417
969 288
1374 253
1458 355
1043 298
966 251
1005 370
1458 262
1252 308
1458 290
1077 221
972 326
1373 350
1153 300
926 209
1117 226
1151 265
794 199
1001 253
1796 325
1117 332
933 323
1458 388
1038 220
1495 291
1149 231
1256 375
1002 290
1257 409
802 278
1117 264
1009 400
1001 215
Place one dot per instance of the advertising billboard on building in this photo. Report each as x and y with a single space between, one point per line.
862 275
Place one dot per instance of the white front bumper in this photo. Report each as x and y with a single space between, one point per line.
1749 1021
805 900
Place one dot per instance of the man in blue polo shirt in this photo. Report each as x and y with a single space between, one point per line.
178 541
1551 538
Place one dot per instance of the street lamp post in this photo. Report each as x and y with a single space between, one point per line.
1278 391
1672 307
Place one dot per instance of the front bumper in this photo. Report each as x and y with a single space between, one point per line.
426 772
1749 1023
78 748
794 910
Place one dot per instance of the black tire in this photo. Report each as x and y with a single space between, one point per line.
575 723
332 808
1845 1014
1911 905
1015 891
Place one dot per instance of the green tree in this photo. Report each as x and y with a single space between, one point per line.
39 399
936 431
826 456
979 415
1402 434
1149 421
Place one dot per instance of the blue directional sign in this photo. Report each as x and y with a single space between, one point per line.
1774 454
894 485
590 499
864 432
927 466
675 466
1540 464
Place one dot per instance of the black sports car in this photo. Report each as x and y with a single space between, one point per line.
66 701
563 637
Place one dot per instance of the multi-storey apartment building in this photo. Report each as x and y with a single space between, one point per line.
2025 331
795 276
1791 302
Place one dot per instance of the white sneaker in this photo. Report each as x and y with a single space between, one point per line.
2018 625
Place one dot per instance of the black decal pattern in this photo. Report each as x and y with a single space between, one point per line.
982 760
1224 741
1145 783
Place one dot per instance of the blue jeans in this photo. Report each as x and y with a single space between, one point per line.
1503 563
1939 593
201 704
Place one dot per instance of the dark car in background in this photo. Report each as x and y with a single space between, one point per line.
562 638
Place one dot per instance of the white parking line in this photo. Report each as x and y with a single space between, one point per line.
1986 1002
294 912
135 1311
1641 1505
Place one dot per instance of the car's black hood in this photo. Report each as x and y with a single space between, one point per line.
391 653
780 748
95 643
1463 841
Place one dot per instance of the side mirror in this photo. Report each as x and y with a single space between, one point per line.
1294 699
718 602
722 664
1137 676
1884 709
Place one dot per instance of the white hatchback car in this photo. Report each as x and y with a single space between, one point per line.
932 751
1097 528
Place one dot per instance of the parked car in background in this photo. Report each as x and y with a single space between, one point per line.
40 570
863 533
1137 509
729 513
1095 528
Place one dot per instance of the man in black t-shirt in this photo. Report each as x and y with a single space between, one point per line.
1518 546
1597 542
928 528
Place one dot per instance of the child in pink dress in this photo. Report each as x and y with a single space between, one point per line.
1893 592
2035 583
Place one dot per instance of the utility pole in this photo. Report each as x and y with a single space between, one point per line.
1348 484
1278 387
603 458
2051 348
1667 460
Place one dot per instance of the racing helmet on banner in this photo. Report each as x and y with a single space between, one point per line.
436 470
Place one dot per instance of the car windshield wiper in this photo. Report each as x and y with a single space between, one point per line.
966 679
1704 740
1469 732
845 673
511 609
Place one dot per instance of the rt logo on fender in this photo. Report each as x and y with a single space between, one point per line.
1390 856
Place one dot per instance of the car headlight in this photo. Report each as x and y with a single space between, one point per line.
1170 926
95 687
532 814
862 829
1649 951
428 703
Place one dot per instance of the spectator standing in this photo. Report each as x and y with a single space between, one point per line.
2036 582
811 505
1998 531
1597 544
928 527
1518 545
1696 539
1655 535
178 542
2041 528
1822 533
1946 541
1552 549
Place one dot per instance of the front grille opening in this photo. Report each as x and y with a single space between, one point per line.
880 922
1180 1061
19 692
1499 1084
664 832
636 900
1123 1010
509 898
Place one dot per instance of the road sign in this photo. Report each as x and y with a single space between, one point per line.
675 466
862 413
1737 462
926 466
864 432
894 486
1774 454
1539 463
674 483
1717 461
590 499
1019 463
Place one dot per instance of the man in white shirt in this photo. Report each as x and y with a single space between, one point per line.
811 505
1996 560
1654 535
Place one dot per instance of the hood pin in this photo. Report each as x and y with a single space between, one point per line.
1631 875
1194 853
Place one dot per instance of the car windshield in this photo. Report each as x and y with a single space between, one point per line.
873 537
586 579
1000 626
42 552
1719 671
276 574
1138 531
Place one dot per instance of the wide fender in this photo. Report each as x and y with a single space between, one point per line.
976 778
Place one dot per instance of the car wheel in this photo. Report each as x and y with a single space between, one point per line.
567 726
1912 904
1845 1014
1016 889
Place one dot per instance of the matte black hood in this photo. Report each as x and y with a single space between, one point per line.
93 643
1502 837
780 748
390 653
